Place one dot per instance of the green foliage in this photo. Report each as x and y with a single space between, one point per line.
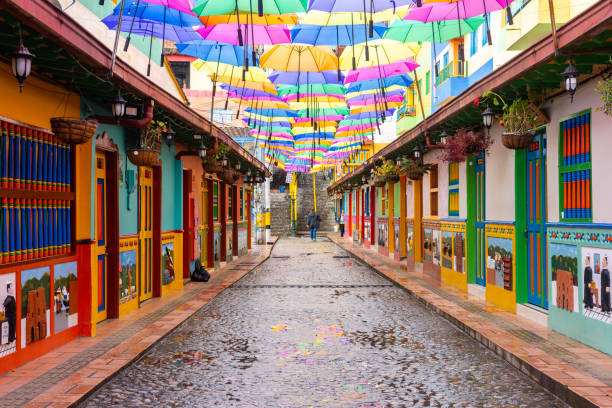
64 281
33 284
604 89
221 151
494 249
414 166
564 263
387 168
518 117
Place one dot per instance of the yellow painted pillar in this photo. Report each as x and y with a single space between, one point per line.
390 206
417 187
403 249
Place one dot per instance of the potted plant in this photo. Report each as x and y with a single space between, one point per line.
604 89
518 120
149 146
387 171
465 143
74 131
414 168
212 163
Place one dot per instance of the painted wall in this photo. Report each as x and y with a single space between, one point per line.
499 179
442 189
409 198
584 98
172 189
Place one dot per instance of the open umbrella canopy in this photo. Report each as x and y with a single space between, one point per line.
347 18
301 58
329 89
333 35
254 18
371 94
256 33
239 83
220 7
382 71
153 29
367 6
375 100
245 91
314 98
212 51
440 31
279 113
379 52
262 104
155 12
374 84
455 10
232 71
181 5
302 78
317 112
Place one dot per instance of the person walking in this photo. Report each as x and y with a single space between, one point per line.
342 224
313 221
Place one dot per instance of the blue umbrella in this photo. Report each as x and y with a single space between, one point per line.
150 28
154 12
257 122
334 35
280 113
216 52
370 115
300 77
401 80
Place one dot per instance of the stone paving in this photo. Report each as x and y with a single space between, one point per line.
313 326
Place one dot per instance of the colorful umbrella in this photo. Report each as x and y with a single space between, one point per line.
455 10
300 58
260 34
395 80
382 71
213 51
330 89
332 35
305 78
266 19
220 7
346 18
387 51
410 31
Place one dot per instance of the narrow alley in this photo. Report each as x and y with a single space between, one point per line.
314 326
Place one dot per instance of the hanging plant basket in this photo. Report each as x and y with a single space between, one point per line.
415 174
213 167
394 178
227 176
74 131
517 140
143 157
380 181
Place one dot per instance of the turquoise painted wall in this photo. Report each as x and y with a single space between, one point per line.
128 219
575 324
172 190
137 41
396 200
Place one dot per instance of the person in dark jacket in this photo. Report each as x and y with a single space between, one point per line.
313 221
588 278
605 286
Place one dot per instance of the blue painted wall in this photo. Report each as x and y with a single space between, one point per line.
172 190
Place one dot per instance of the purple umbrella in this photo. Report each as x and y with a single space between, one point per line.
297 77
383 71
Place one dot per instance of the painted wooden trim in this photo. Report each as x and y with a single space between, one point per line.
520 215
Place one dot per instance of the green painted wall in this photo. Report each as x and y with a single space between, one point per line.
470 233
396 200
128 218
520 210
172 190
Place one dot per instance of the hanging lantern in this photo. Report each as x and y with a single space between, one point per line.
224 161
487 117
443 137
570 75
21 62
398 160
237 166
417 154
170 136
202 152
118 107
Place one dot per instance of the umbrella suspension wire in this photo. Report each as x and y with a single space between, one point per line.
253 56
240 101
129 36
509 16
416 81
352 42
365 31
371 26
117 34
161 61
150 50
381 81
231 76
299 72
240 42
461 50
260 11
337 51
489 40
433 33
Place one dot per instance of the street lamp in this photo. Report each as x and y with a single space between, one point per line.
570 75
118 106
224 161
21 62
487 118
237 166
417 153
398 161
170 136
202 152
443 137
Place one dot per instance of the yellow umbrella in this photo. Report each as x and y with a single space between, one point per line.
303 58
320 105
257 116
373 108
380 52
309 125
307 130
266 19
238 82
373 91
262 104
232 71
345 18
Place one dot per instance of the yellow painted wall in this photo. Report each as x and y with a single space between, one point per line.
499 296
450 276
177 238
129 244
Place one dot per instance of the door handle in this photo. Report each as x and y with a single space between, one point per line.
526 233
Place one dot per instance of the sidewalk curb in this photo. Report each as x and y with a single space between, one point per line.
128 363
555 387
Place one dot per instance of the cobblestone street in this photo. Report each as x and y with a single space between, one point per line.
313 326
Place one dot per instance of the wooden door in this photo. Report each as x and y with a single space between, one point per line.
101 236
145 195
481 253
536 222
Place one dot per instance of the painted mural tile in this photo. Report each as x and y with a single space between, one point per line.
564 272
499 262
35 305
410 240
447 249
427 245
436 247
8 314
596 280
168 274
459 251
65 299
127 276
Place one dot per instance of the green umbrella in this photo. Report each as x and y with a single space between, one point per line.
439 31
302 113
221 7
330 89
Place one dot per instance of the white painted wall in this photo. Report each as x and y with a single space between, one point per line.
462 190
601 147
442 189
409 198
499 179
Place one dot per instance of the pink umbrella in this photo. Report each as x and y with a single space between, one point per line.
457 10
381 71
263 34
181 5
327 118
373 101
254 97
293 97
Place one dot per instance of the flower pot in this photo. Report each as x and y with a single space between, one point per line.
516 140
379 181
392 178
414 174
74 131
213 167
143 157
227 176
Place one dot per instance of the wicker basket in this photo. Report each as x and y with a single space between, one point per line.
226 177
379 181
74 130
213 167
517 140
414 175
392 179
143 157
